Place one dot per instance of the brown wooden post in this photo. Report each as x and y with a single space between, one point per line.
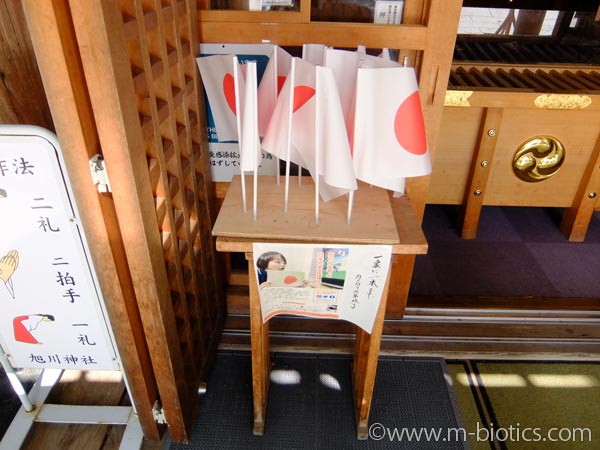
480 170
56 49
576 219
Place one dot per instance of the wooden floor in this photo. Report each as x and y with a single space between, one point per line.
84 388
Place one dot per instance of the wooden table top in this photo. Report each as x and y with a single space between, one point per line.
374 220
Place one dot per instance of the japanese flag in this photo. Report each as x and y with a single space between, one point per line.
332 147
250 141
276 72
304 119
223 81
344 64
389 141
278 135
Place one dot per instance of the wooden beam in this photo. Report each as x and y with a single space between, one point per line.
340 35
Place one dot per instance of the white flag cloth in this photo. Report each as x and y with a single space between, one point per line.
314 53
335 158
389 141
276 72
335 166
276 138
250 141
373 62
344 64
385 54
222 79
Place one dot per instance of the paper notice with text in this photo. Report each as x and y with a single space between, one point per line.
333 281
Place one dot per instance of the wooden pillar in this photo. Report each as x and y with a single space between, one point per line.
480 170
576 219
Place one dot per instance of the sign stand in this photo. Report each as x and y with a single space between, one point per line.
35 409
54 317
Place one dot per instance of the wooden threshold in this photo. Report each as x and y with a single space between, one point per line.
449 327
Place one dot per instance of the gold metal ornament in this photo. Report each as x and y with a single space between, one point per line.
538 159
457 98
562 101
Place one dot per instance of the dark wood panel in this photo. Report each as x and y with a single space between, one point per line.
22 97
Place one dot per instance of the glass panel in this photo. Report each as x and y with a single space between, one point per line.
256 5
523 36
365 11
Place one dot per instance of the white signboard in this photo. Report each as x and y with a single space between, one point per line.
52 312
388 12
329 281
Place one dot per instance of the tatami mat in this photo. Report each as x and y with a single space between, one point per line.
529 405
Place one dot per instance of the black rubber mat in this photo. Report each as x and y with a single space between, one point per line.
310 406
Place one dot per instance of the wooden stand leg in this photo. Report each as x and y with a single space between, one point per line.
366 355
261 361
400 278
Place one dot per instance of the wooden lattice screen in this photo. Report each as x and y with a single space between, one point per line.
161 42
141 79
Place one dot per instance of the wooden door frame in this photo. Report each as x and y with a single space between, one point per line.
88 63
55 46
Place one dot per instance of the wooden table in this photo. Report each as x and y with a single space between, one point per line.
374 222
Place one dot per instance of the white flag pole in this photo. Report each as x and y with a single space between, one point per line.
317 140
350 205
252 78
289 135
255 192
238 120
276 94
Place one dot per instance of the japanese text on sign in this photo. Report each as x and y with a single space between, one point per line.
52 312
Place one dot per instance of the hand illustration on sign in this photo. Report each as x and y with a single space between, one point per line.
24 325
8 265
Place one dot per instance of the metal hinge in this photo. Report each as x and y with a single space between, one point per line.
99 174
158 413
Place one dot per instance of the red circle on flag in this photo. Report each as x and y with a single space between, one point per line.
302 94
280 83
290 279
229 91
409 126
